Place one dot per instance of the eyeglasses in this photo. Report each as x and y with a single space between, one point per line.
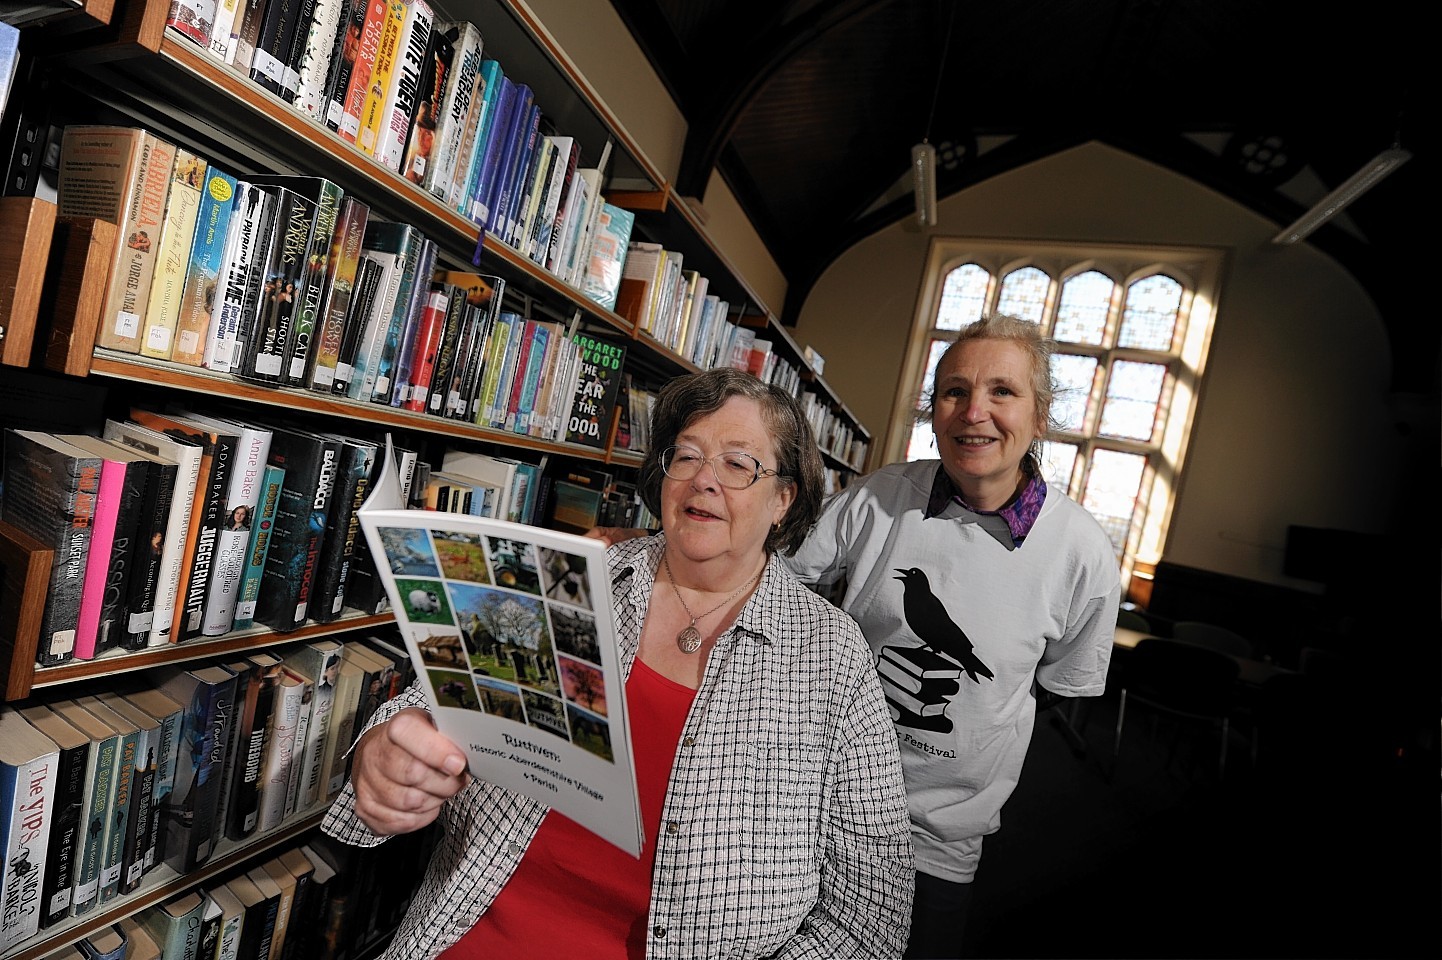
735 471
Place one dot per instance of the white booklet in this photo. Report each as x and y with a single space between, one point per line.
512 630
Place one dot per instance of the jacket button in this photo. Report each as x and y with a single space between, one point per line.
659 931
514 849
689 742
673 828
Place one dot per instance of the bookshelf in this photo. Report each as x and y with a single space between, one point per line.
120 65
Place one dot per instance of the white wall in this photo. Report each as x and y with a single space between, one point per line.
1294 424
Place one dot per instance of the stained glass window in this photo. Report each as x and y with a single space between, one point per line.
1149 320
1073 375
1023 294
1057 463
1086 301
920 444
963 297
1134 391
1112 485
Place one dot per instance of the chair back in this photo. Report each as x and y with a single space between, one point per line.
1133 621
1182 678
1210 635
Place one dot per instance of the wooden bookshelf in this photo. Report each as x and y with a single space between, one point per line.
26 226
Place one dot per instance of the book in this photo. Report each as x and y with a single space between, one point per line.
387 53
434 315
602 279
151 618
289 703
319 660
232 916
50 493
217 461
303 910
599 381
172 255
170 717
200 294
342 527
238 509
107 943
223 28
269 945
349 685
270 64
28 765
538 693
119 174
73 766
248 241
265 356
253 715
193 19
140 945
460 92
96 801
285 881
118 813
347 105
385 244
208 941
258 925
362 303
317 48
471 154
406 89
188 813
174 925
562 167
142 822
343 262
310 462
396 355
258 547
322 204
244 34
347 43
123 474
502 119
376 677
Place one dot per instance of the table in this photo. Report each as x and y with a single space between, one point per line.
1251 672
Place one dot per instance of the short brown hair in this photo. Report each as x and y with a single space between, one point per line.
686 399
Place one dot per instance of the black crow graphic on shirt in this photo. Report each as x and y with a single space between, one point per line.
928 619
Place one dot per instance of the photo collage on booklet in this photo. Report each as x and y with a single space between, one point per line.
505 628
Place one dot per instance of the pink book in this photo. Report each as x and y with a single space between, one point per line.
97 564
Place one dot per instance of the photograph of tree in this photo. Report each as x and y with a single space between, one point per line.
576 633
583 684
507 636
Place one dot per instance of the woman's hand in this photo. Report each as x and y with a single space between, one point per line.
403 771
611 536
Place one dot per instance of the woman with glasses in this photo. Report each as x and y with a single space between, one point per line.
767 763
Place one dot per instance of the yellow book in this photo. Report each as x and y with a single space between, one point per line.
386 52
172 255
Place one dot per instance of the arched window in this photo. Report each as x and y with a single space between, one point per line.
1131 327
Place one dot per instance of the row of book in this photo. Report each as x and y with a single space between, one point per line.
311 901
419 95
98 789
673 304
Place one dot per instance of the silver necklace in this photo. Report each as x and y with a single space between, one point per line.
689 639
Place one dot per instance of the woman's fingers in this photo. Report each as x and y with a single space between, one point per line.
403 771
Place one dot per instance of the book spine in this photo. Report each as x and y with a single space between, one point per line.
280 751
360 83
167 753
435 79
376 333
71 773
362 303
454 108
200 294
380 368
439 386
473 140
222 29
315 57
127 554
518 378
316 284
405 92
517 133
246 34
143 820
172 255
112 849
109 492
323 666
490 150
247 249
342 529
243 809
269 66
27 852
290 565
123 322
414 332
342 62
189 811
342 263
238 510
206 522
101 794
258 547
193 20
388 50
280 292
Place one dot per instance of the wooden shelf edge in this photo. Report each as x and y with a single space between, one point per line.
27 225
48 942
79 276
25 566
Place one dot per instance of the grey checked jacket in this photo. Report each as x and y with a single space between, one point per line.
784 831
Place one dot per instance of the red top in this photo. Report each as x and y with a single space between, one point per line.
574 890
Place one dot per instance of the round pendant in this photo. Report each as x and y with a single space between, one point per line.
689 640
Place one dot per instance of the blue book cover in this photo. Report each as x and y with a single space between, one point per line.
200 293
498 192
468 168
497 135
188 827
400 318
271 483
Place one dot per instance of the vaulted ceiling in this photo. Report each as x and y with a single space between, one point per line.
809 109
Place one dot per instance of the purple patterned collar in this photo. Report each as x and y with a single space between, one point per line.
1019 514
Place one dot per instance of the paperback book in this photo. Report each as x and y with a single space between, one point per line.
512 629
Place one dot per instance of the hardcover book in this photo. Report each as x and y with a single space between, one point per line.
386 244
122 175
289 705
304 909
150 618
320 661
310 463
406 90
269 944
74 763
352 86
254 711
324 198
598 383
123 475
142 823
458 105
362 303
343 262
398 350
140 945
349 686
342 527
188 814
249 239
175 925
105 944
602 280
118 814
201 293
193 19
258 547
388 51
232 916
50 493
319 42
170 719
28 764
473 140
271 65
172 255
286 883
258 925
95 806
217 462
282 289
